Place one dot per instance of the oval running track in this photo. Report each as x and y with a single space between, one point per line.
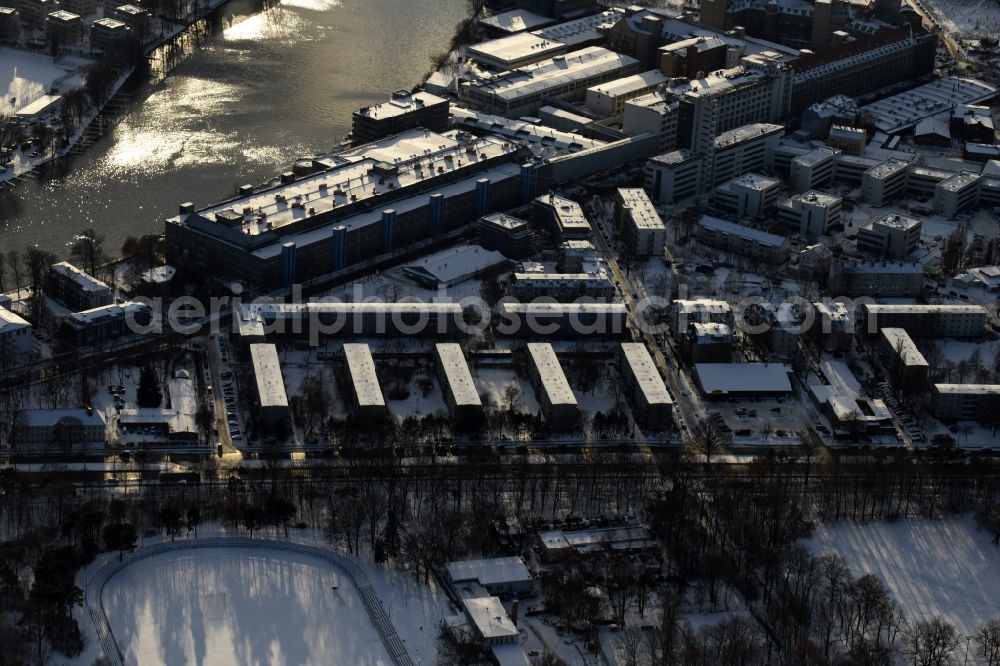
94 600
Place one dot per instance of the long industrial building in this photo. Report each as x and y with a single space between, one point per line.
522 91
366 397
371 201
651 402
459 389
559 406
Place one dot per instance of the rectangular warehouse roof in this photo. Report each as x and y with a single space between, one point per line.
734 379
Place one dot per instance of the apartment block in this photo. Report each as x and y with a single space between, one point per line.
643 229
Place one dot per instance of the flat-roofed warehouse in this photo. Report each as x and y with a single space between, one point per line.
650 399
559 406
460 393
523 91
518 50
270 386
366 395
498 575
729 381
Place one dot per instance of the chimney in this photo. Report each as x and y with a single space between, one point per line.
513 612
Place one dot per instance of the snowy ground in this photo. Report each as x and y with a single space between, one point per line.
223 606
932 568
965 18
227 604
26 76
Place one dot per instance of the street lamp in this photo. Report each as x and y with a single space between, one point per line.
968 640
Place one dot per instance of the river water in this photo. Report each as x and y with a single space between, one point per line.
261 88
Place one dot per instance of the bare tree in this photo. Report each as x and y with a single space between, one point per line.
930 643
989 642
630 646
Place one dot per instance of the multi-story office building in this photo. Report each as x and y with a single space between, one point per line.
688 57
726 100
862 66
643 230
107 34
739 151
743 240
10 24
405 111
751 195
81 7
521 92
608 99
812 213
76 289
884 182
556 398
63 28
879 279
957 194
459 389
891 236
561 216
655 113
930 321
374 200
674 176
651 402
812 170
136 18
32 13
850 140
506 234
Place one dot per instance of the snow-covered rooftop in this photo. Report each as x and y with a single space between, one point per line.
645 373
362 369
640 209
743 378
486 572
490 618
456 371
267 375
551 374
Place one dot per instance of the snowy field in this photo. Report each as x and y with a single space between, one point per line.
25 76
966 18
232 606
932 568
